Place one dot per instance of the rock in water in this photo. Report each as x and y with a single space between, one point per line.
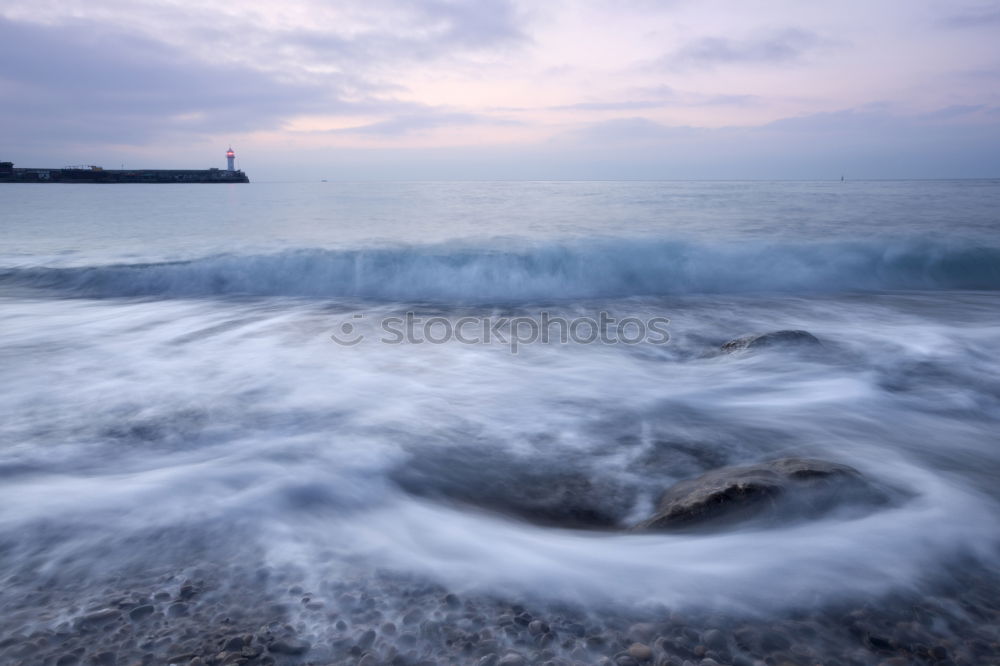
549 492
773 339
780 490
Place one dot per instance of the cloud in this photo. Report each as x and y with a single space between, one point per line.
634 105
627 131
426 119
981 17
83 82
780 46
658 98
138 76
414 30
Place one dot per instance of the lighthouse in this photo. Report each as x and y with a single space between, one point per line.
230 159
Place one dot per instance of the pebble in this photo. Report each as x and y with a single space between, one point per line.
179 609
640 652
536 627
290 646
512 659
367 639
98 618
140 613
714 639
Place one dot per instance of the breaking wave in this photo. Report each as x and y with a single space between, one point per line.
502 273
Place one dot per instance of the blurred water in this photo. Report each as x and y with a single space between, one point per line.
167 364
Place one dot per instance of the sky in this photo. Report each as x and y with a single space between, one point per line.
506 89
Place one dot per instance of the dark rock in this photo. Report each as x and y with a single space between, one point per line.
551 493
290 646
758 341
179 609
140 613
878 643
783 489
536 627
104 659
98 619
367 639
714 639
234 644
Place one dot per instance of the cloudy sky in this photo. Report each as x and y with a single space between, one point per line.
506 89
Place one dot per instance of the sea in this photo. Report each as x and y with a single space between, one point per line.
307 411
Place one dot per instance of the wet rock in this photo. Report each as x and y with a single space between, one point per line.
179 609
640 652
549 492
367 639
234 644
536 627
714 639
783 489
289 646
97 619
773 339
512 659
104 659
140 613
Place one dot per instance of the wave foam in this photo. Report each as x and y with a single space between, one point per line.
587 269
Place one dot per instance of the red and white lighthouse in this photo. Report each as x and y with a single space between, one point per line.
230 159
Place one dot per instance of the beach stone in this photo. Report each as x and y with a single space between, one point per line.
289 646
785 488
773 339
140 613
551 493
640 652
512 659
234 644
536 627
179 609
714 639
367 639
98 619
